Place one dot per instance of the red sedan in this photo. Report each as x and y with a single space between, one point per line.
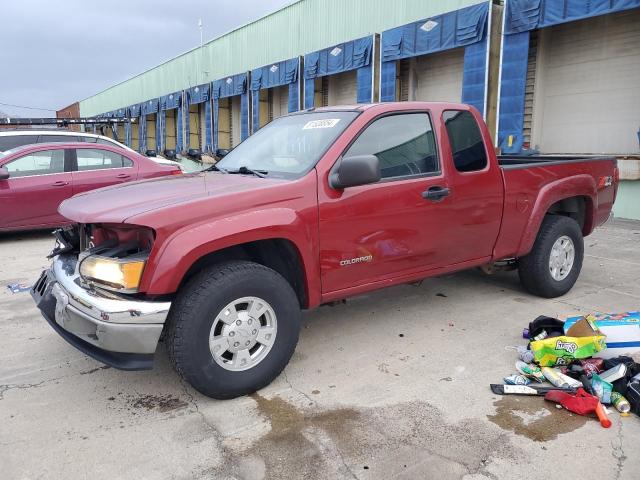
35 179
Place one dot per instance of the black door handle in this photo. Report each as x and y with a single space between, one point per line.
435 194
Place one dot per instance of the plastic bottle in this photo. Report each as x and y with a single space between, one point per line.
525 354
516 380
621 403
541 336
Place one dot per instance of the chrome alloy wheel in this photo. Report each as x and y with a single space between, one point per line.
563 254
243 333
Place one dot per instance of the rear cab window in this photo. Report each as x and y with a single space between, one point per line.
465 139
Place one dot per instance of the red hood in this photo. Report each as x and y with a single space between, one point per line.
119 203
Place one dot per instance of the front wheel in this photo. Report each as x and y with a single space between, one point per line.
554 263
233 329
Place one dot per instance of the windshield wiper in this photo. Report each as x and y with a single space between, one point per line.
215 168
245 170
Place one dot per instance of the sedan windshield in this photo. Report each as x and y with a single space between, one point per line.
289 146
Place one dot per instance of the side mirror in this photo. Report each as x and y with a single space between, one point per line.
354 171
4 173
150 153
222 152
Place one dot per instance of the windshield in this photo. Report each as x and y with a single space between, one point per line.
289 146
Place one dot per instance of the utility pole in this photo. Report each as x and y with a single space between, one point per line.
202 72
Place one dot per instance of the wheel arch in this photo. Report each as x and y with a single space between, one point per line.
279 254
573 197
279 238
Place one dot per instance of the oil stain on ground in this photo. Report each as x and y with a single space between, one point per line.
161 403
384 442
534 418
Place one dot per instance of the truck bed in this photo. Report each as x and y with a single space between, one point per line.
521 161
526 178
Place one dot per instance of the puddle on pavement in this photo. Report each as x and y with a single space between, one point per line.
289 437
534 418
336 443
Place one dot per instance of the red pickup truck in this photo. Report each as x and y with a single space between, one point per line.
315 207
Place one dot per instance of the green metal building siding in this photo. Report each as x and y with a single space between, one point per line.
297 29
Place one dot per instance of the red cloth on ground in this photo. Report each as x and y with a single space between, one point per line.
581 403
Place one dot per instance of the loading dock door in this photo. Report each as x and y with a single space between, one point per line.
135 135
320 91
342 88
586 97
224 123
194 127
433 78
235 120
151 131
170 128
202 123
265 106
107 131
278 101
120 130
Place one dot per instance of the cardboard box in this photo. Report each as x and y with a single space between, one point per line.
622 331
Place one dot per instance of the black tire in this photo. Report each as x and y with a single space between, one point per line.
194 311
533 268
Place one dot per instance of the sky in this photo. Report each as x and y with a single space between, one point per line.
55 52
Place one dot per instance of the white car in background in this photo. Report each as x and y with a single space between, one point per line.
10 139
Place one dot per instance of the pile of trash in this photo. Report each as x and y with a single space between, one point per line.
587 362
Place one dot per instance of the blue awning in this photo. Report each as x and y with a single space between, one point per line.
167 102
338 58
150 106
441 32
134 110
525 15
275 75
198 94
230 86
121 113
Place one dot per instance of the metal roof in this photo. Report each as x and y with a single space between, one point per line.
296 29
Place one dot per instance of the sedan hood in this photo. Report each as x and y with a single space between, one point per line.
118 203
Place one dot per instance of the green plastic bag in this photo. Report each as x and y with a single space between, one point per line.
563 350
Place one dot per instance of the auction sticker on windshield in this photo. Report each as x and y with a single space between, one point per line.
326 123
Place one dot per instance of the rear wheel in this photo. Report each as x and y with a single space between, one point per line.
233 329
554 263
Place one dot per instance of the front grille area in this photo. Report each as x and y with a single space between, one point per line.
40 286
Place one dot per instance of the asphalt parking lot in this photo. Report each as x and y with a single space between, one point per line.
389 385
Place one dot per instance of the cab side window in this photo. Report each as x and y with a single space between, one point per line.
10 142
465 138
37 163
57 138
404 144
95 159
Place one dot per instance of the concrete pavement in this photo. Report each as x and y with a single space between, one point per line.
389 385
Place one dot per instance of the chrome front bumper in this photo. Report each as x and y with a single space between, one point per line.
117 331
